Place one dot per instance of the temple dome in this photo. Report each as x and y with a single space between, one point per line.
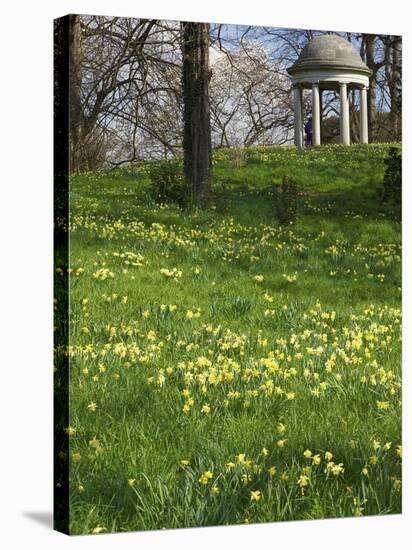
329 51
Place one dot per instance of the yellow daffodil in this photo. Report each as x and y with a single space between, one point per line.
205 478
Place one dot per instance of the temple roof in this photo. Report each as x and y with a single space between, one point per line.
329 51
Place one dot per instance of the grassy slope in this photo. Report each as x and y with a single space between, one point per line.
135 358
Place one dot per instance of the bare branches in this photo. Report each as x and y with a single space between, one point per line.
129 99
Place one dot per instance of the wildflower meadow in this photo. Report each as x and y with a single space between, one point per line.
228 369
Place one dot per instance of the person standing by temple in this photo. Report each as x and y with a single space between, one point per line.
308 132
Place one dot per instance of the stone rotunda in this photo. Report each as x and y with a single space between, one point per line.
329 62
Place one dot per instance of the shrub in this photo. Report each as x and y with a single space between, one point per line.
286 201
168 183
237 157
392 180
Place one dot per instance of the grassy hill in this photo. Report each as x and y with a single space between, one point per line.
225 369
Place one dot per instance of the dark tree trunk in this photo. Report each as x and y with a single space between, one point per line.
369 40
197 146
354 118
393 79
396 89
75 109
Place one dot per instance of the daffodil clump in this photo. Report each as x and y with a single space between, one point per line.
227 370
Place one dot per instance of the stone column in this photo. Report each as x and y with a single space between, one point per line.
315 115
320 112
297 97
364 115
344 114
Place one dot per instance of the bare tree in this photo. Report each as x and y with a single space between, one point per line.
106 62
75 81
127 101
250 98
393 49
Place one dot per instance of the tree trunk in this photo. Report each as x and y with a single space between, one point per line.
370 62
393 79
75 109
396 89
354 118
197 146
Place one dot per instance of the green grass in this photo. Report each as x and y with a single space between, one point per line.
319 354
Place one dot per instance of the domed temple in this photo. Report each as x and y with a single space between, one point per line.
329 62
